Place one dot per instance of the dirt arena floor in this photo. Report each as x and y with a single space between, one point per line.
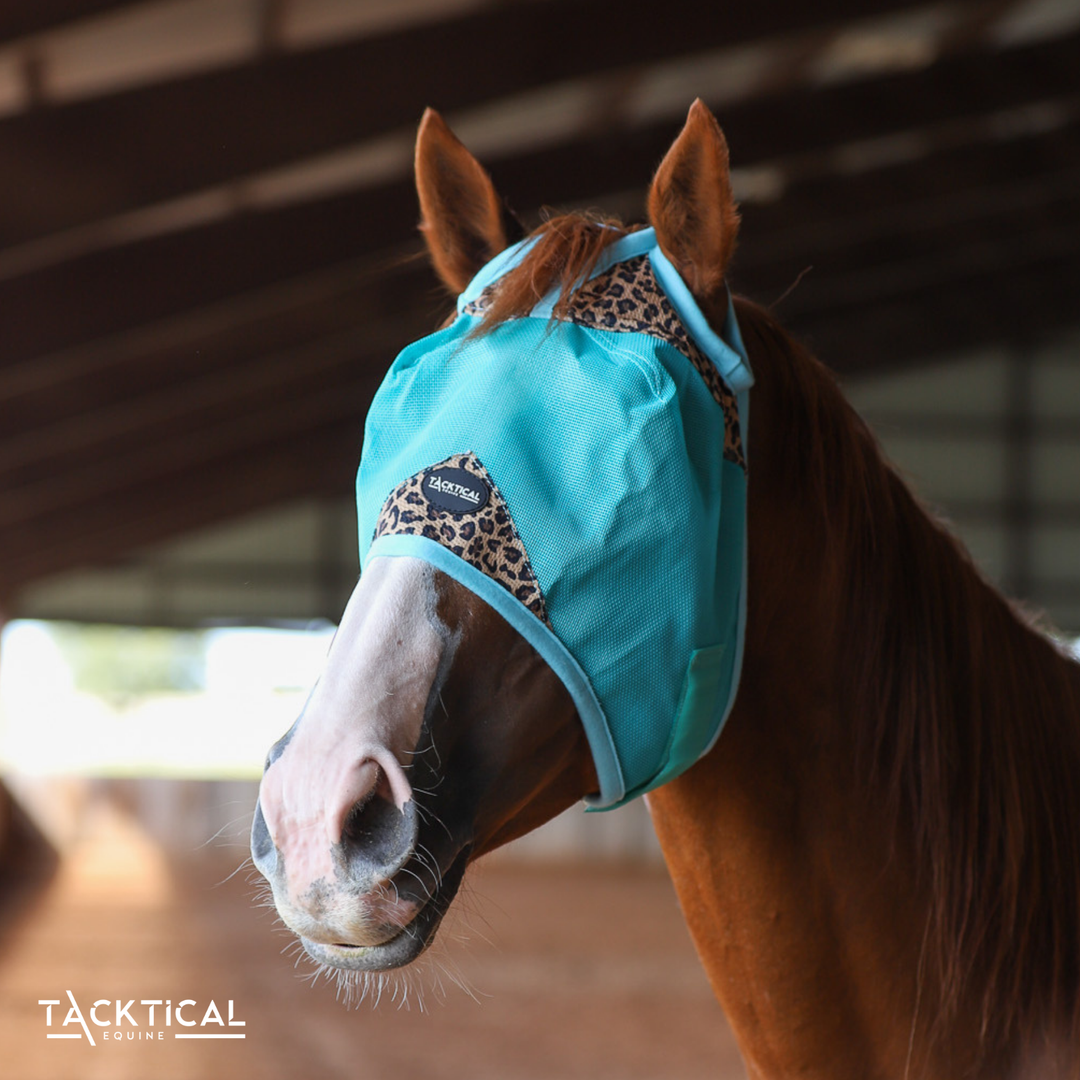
572 973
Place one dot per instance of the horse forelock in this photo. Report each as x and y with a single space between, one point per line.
966 717
564 253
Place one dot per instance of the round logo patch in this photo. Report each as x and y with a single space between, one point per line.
455 490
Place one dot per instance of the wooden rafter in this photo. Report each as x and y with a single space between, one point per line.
68 165
312 463
104 292
19 20
152 386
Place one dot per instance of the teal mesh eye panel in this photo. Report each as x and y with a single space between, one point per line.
614 442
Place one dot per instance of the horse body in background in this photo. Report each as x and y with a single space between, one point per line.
879 861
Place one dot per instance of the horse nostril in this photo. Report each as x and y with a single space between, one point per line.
377 837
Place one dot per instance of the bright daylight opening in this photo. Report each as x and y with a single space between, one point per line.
113 701
125 701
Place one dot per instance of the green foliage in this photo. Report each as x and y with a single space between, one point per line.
119 663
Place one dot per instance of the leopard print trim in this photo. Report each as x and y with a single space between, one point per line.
628 299
484 538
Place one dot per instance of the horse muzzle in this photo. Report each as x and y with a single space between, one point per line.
376 903
402 947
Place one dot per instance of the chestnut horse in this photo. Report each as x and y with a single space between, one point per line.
879 860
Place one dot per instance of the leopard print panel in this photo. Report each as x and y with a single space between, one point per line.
484 538
628 299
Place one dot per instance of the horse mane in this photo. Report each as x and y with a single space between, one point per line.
966 717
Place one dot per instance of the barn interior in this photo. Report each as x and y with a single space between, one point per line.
208 259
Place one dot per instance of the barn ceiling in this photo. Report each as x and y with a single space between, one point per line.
207 215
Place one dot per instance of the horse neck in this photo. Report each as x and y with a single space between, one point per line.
804 905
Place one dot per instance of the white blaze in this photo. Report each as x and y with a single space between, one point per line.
363 720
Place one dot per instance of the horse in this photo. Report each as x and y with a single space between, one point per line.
879 858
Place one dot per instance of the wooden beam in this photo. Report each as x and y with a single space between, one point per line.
969 99
66 166
19 18
881 216
170 382
110 291
153 424
286 312
297 406
820 221
318 462
113 291
854 271
928 323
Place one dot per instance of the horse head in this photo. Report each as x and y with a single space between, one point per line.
445 723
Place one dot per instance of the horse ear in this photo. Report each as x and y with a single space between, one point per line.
463 220
691 206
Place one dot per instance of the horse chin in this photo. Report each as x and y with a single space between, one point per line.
407 945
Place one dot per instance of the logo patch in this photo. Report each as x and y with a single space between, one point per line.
455 490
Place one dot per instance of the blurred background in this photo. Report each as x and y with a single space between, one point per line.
208 258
